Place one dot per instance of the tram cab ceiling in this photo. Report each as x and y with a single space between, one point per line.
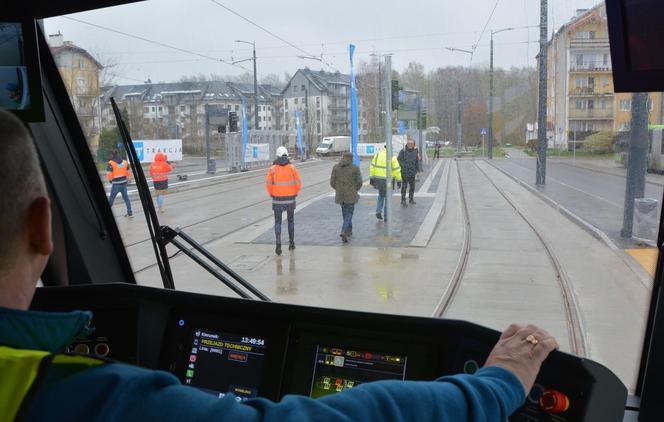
40 9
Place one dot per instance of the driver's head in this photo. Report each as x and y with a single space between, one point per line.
25 215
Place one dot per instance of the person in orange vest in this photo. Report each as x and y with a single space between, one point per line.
119 173
283 184
159 170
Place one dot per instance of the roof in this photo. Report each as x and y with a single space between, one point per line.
321 79
208 90
70 46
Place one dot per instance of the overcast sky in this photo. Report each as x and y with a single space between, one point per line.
413 30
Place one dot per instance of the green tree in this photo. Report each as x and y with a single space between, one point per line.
108 141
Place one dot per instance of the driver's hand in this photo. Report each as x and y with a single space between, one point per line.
520 356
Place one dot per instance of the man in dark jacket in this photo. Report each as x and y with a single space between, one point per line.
411 164
346 180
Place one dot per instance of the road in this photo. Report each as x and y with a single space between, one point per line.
595 196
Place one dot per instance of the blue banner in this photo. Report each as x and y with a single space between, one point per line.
298 128
402 127
353 108
245 131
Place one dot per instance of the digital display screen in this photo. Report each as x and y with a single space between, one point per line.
14 86
221 363
337 369
645 34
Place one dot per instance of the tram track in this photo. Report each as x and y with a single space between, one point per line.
577 337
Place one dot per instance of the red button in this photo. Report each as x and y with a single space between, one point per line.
553 401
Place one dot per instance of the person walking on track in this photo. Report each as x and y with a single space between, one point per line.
159 170
411 164
283 184
346 180
378 178
119 173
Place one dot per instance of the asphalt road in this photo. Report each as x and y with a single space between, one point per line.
597 197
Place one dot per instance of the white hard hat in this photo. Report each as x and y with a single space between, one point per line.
281 151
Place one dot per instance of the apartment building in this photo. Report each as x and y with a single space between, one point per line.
80 74
580 96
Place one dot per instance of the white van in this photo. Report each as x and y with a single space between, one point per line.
333 145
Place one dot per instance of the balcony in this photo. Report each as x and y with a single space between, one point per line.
589 43
588 91
86 111
591 114
594 68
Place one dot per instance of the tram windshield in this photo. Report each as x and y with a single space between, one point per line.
508 220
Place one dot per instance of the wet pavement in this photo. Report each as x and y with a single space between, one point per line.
596 197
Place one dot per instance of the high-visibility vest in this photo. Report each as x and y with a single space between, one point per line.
378 168
159 169
283 183
23 371
119 171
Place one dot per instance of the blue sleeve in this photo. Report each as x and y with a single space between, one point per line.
126 393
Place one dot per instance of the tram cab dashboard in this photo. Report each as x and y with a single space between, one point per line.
259 349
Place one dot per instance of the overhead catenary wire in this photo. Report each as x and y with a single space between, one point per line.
268 31
484 29
159 43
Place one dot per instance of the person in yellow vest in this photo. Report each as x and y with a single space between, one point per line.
378 178
119 173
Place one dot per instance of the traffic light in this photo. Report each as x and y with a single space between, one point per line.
395 94
422 123
232 121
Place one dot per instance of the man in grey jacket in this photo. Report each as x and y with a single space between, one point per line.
346 180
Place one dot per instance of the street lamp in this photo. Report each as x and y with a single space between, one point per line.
491 91
253 44
458 131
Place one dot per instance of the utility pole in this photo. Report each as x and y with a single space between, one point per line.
306 123
255 90
636 165
459 104
490 146
491 94
388 143
253 44
458 127
540 178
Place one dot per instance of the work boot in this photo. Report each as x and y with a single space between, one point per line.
403 202
344 237
277 250
291 245
379 216
412 201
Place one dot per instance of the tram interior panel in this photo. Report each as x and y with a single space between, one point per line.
257 349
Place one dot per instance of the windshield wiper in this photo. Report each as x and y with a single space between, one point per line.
163 235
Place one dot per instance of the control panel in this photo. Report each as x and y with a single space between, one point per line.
255 349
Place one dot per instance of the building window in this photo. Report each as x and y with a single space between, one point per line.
262 108
295 100
152 109
624 126
269 118
626 105
317 127
304 88
269 108
591 104
81 64
183 108
160 109
580 105
237 107
287 126
286 116
285 104
146 110
579 59
317 114
318 103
